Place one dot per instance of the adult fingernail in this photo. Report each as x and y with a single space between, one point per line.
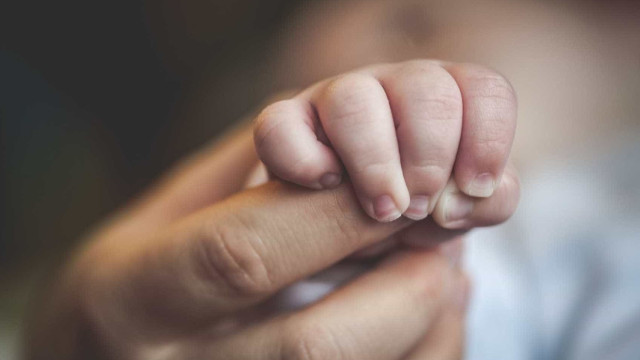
482 186
457 207
418 207
385 209
330 180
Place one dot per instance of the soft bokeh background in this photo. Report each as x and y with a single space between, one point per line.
98 98
94 104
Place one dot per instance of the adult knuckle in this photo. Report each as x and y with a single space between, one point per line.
341 216
231 259
308 340
430 282
99 292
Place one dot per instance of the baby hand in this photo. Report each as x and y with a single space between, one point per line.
401 131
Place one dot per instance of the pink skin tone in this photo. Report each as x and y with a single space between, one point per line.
401 132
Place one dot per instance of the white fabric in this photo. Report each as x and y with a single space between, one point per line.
561 280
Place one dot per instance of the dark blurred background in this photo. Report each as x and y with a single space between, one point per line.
93 106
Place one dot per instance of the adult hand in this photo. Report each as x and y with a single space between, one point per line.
188 270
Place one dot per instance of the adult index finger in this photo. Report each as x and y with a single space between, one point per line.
236 252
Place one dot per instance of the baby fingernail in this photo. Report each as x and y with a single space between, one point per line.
330 180
457 207
385 209
418 207
482 186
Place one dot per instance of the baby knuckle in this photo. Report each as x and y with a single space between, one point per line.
270 119
419 65
431 88
490 145
444 105
351 85
350 94
494 88
425 69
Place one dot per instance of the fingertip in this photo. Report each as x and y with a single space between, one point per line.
453 208
385 209
384 206
418 207
287 142
310 172
482 185
456 209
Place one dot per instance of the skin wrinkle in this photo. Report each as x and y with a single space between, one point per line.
354 92
233 256
266 117
444 103
302 346
299 167
342 221
342 216
258 247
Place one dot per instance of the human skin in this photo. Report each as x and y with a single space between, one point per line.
549 75
186 271
401 131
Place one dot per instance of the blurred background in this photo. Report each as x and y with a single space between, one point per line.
95 103
97 98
